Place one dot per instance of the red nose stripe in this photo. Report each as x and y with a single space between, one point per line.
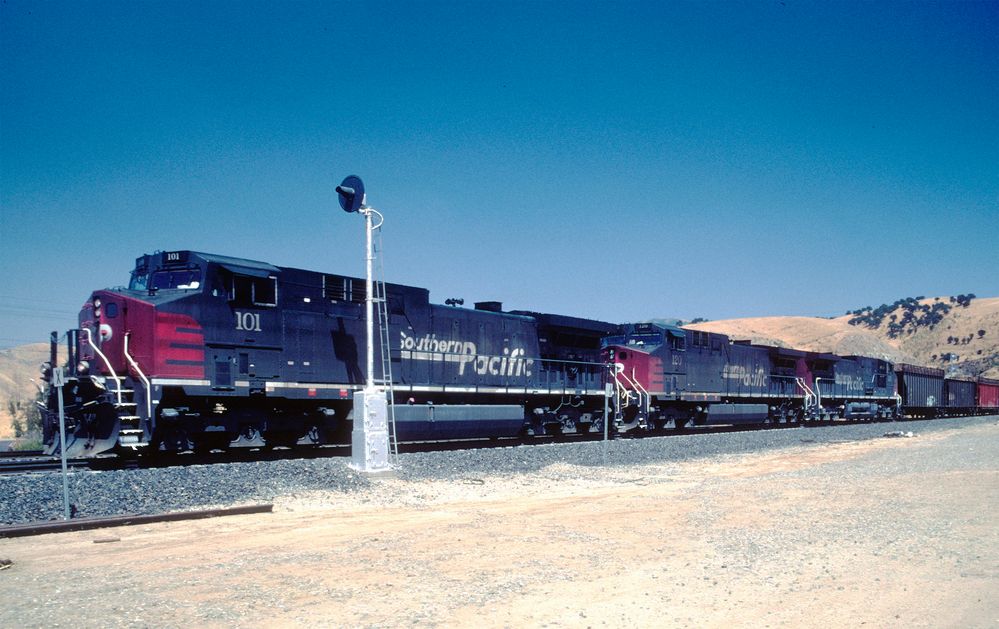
180 346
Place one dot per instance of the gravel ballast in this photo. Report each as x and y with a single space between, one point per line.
38 496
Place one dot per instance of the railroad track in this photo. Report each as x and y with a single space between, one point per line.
13 465
12 454
32 461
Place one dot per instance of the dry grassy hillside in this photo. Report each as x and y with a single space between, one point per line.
962 338
808 333
18 366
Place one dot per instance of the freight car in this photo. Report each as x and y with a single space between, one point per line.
921 389
987 398
959 397
669 377
207 351
927 392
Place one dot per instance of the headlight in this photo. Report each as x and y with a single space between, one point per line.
97 302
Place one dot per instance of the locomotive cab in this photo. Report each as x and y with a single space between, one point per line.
119 346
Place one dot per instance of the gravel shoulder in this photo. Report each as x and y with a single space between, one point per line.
818 531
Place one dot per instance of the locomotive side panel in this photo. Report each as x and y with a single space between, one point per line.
706 362
462 350
848 380
746 372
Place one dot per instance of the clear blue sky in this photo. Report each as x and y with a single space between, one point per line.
621 161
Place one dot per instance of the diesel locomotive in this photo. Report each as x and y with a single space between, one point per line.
668 377
203 351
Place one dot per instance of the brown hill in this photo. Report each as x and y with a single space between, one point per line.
963 339
18 366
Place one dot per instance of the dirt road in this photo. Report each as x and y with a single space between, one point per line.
881 533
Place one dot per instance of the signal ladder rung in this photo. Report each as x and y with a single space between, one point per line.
384 337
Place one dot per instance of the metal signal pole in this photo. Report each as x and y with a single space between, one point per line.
369 438
369 300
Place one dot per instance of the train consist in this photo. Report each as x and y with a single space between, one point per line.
205 351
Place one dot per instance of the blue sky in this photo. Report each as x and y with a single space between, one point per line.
613 160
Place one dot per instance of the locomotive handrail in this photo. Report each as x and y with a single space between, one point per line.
145 380
643 390
809 394
818 394
624 393
107 363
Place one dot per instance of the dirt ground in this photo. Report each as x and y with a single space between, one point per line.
881 533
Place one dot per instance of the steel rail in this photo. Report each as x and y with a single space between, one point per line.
36 464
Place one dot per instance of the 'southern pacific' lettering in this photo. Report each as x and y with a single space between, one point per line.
852 383
513 363
748 377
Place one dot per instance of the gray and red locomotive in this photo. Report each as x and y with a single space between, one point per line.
208 351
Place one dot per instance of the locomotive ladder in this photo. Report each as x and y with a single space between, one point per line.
130 432
385 343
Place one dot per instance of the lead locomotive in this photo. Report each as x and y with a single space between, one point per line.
209 351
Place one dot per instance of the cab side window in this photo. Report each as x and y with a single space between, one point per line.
256 291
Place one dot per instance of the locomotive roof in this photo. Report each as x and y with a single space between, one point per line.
227 261
567 321
646 326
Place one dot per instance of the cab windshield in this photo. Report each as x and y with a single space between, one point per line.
182 279
645 339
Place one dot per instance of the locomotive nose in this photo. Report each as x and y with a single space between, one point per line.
97 316
99 332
